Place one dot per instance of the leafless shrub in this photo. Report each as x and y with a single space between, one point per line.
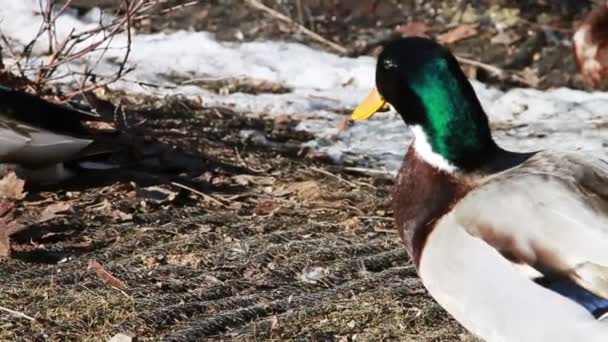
95 42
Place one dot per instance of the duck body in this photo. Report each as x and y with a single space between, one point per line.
512 245
474 269
37 136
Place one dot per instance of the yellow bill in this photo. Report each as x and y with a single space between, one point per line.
372 104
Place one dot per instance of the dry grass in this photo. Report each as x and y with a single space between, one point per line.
323 263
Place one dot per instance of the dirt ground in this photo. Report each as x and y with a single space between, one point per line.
528 39
280 247
261 240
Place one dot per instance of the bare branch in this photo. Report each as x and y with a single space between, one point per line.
86 48
313 35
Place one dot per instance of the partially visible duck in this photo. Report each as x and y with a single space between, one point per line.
37 137
590 42
512 245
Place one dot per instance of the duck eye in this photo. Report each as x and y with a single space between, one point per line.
389 64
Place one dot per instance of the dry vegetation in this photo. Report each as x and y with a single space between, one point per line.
263 244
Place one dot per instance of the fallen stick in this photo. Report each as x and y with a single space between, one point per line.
338 178
489 68
371 172
203 195
260 6
18 314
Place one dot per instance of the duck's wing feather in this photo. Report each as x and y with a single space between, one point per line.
33 147
596 305
551 213
11 140
37 133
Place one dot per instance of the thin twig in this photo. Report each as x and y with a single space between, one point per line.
371 172
380 218
338 178
167 10
122 69
300 11
496 71
387 231
96 41
315 36
18 314
245 165
203 195
62 51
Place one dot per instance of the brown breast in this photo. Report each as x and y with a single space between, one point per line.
422 195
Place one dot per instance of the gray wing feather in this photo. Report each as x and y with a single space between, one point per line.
11 141
33 147
550 212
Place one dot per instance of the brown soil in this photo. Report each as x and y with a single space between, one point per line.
281 247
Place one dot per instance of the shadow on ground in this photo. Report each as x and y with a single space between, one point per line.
259 243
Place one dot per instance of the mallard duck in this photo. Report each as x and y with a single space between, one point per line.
512 245
37 136
590 41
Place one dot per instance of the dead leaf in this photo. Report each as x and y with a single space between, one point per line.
503 17
11 187
106 276
314 155
122 216
157 194
249 272
188 259
413 29
8 228
345 125
5 242
307 190
458 33
274 322
282 120
246 180
353 223
99 126
529 77
6 207
152 262
266 207
107 209
52 211
505 38
213 280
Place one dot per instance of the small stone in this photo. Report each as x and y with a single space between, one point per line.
123 338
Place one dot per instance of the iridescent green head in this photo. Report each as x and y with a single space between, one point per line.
424 83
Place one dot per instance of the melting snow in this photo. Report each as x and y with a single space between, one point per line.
323 84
